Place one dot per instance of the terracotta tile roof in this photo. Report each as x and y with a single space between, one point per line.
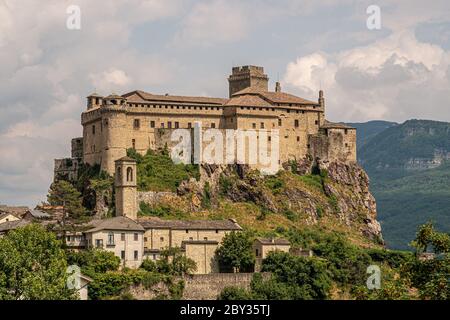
272 241
116 223
141 96
247 101
157 223
334 125
274 97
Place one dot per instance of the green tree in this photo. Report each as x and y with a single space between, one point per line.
33 266
94 261
297 278
63 193
236 251
148 265
173 262
235 293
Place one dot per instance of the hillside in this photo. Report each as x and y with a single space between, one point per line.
335 198
367 130
410 175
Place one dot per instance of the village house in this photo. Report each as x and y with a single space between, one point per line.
198 239
262 247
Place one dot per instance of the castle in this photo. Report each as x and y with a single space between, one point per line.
143 121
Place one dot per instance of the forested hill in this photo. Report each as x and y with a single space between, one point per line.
408 165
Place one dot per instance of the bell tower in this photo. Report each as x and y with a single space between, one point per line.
125 183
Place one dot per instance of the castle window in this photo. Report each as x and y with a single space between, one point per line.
133 143
110 239
161 239
152 124
279 122
145 239
296 123
201 108
269 138
189 125
106 123
171 107
308 145
136 255
187 231
273 109
254 125
122 236
254 108
218 108
298 138
129 174
262 125
136 237
346 145
242 108
165 107
213 125
177 125
169 124
122 254
260 108
162 124
217 230
137 123
205 238
288 111
316 122
93 129
346 131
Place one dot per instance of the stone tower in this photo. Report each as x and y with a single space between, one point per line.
247 76
126 188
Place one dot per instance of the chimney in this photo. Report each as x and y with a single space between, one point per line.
277 87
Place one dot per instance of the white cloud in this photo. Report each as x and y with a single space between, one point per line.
391 78
214 22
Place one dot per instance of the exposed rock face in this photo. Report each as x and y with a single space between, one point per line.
336 189
359 202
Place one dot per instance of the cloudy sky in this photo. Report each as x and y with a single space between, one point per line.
188 47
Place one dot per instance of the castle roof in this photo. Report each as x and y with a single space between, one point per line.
334 125
157 223
247 101
274 97
141 96
116 223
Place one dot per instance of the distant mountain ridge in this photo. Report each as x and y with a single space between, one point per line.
409 168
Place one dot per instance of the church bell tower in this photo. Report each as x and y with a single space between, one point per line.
126 187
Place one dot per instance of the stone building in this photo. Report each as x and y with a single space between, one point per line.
262 247
143 121
120 235
198 239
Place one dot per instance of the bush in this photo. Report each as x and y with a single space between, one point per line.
235 293
294 277
157 172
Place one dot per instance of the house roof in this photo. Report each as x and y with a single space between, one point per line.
5 214
116 223
11 225
272 241
126 158
39 214
334 125
142 96
157 223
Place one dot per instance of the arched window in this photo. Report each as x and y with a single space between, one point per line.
129 174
